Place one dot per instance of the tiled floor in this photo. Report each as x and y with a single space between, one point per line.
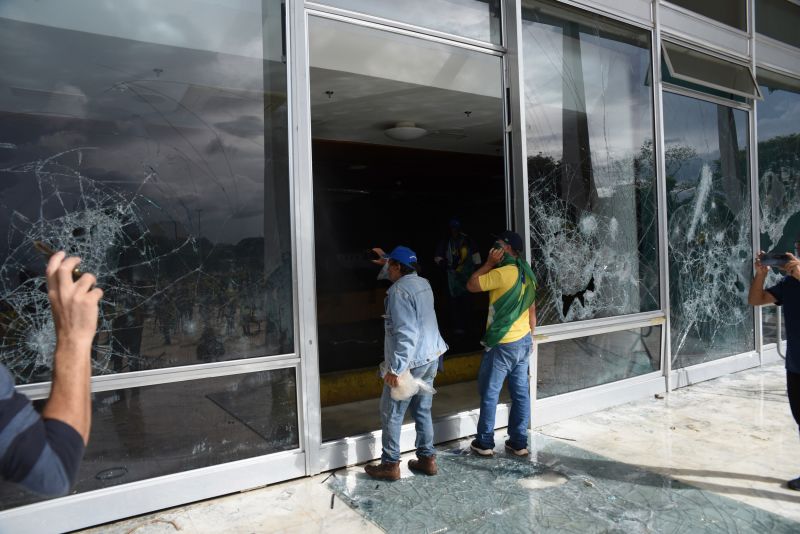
709 458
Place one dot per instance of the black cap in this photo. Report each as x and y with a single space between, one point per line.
512 239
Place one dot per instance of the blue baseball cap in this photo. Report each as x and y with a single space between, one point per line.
403 255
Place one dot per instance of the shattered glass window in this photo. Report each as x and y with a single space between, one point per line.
589 113
709 224
778 174
153 144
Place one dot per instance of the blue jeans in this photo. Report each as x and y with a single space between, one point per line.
392 413
505 360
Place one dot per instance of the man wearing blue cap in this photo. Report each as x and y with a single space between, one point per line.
412 342
512 317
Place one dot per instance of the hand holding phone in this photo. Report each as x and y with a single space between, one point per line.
48 252
774 260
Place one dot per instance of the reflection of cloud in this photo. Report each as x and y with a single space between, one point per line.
208 25
202 157
61 140
610 87
473 18
778 114
244 126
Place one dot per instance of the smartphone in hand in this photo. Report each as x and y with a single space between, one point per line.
774 260
47 252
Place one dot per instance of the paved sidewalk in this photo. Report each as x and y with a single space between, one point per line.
710 458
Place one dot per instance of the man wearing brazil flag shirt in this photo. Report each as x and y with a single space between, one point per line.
508 340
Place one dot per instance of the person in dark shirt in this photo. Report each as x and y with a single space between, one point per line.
786 293
42 452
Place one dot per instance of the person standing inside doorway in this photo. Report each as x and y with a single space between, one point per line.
509 329
459 256
786 293
412 343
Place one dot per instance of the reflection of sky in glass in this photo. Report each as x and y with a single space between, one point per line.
146 90
778 113
615 84
697 123
230 26
348 48
467 18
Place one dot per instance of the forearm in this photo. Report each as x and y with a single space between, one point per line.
70 399
532 317
757 296
473 284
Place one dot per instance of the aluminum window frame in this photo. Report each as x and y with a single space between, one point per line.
605 9
661 192
318 452
172 490
757 36
97 506
699 81
167 375
755 197
129 379
698 372
414 30
714 22
761 345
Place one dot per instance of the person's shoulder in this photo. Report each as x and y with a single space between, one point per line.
510 269
404 284
791 283
414 281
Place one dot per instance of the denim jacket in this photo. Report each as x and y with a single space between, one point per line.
412 334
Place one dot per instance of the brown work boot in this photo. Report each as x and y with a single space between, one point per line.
424 464
384 470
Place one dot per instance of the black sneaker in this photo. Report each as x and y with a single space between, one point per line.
516 452
480 449
794 484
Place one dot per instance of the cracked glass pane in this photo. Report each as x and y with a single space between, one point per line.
580 363
778 174
560 488
589 113
709 224
150 431
153 145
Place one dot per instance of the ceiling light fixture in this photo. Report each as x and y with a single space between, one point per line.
405 131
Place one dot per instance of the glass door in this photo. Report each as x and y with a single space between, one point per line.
407 149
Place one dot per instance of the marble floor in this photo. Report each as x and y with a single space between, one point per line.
713 457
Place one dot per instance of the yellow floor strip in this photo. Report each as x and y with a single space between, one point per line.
362 384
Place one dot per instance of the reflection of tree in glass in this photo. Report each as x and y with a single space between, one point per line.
779 193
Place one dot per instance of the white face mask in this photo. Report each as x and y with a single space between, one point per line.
384 274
